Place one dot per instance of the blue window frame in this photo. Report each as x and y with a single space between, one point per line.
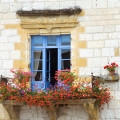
48 54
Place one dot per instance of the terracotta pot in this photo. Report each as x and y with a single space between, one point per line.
112 72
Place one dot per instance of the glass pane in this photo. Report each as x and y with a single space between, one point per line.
37 65
51 40
37 54
48 63
65 64
48 76
48 55
37 40
65 40
37 76
65 53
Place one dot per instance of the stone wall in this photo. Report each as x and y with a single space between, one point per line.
95 42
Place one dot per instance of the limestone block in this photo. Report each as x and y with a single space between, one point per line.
9 16
20 46
20 64
109 28
27 6
94 17
15 6
7 1
95 44
81 44
81 62
85 37
117 94
74 53
117 27
117 114
85 4
23 54
114 59
107 17
113 3
117 16
102 11
10 21
1 26
94 29
96 71
22 31
99 4
1 63
24 38
80 30
100 36
86 52
4 55
108 52
4 7
15 54
67 4
38 5
84 71
107 114
97 52
9 32
7 64
14 39
113 35
12 26
97 62
84 18
3 39
24 0
6 46
52 5
111 43
2 72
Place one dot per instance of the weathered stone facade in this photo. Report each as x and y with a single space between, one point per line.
95 38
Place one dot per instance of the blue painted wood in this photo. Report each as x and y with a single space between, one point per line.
40 43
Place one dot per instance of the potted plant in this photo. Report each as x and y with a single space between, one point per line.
111 68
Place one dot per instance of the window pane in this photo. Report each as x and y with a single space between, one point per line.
51 40
48 76
37 76
37 54
65 64
48 63
65 53
37 65
37 40
65 40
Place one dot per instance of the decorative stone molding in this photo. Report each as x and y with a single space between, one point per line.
49 25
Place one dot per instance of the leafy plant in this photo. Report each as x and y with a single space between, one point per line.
55 96
111 67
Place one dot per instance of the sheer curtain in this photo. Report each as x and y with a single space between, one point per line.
37 65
